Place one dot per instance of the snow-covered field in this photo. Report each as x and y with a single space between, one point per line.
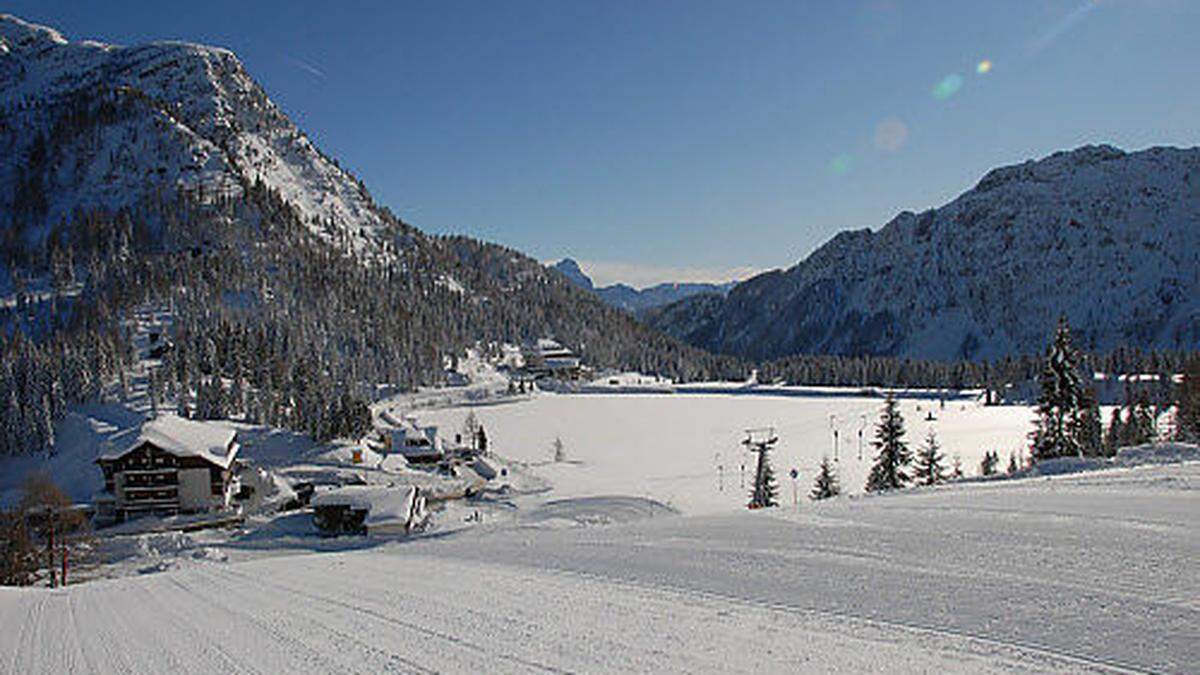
1088 573
637 554
668 447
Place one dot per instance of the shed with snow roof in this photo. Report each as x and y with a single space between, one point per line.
363 509
170 465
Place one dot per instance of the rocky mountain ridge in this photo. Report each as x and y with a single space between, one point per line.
1108 238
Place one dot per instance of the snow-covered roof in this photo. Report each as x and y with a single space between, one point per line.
414 438
180 437
547 348
384 504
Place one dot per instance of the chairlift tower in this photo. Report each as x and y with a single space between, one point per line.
760 441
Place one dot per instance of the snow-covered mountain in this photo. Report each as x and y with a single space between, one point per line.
1109 238
89 124
638 301
163 175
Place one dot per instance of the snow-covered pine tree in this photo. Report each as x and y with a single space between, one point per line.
470 429
1187 402
956 471
1061 392
182 396
124 391
826 484
237 396
1013 466
46 422
154 389
11 426
930 468
1142 426
888 473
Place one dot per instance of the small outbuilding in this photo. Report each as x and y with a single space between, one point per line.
368 509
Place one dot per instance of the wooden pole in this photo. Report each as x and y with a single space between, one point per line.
50 547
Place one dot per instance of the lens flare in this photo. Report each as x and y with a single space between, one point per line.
890 135
842 164
984 67
948 86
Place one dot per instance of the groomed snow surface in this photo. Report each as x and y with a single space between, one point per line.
1076 572
1091 573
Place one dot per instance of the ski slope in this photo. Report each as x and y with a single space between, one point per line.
1092 572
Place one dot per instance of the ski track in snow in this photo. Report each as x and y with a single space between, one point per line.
241 619
1094 573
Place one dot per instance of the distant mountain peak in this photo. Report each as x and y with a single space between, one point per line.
571 270
638 301
1107 237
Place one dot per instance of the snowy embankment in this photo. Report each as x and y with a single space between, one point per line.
1141 455
1090 573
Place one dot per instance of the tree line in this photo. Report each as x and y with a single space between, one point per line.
1068 424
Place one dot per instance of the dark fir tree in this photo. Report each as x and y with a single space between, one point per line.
1087 427
1060 397
987 466
889 471
1115 434
930 466
826 484
1187 402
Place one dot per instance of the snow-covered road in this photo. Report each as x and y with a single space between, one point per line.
1090 572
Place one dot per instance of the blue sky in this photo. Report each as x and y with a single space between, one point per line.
688 140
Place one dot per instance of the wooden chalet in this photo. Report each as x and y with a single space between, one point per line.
548 358
170 465
418 445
